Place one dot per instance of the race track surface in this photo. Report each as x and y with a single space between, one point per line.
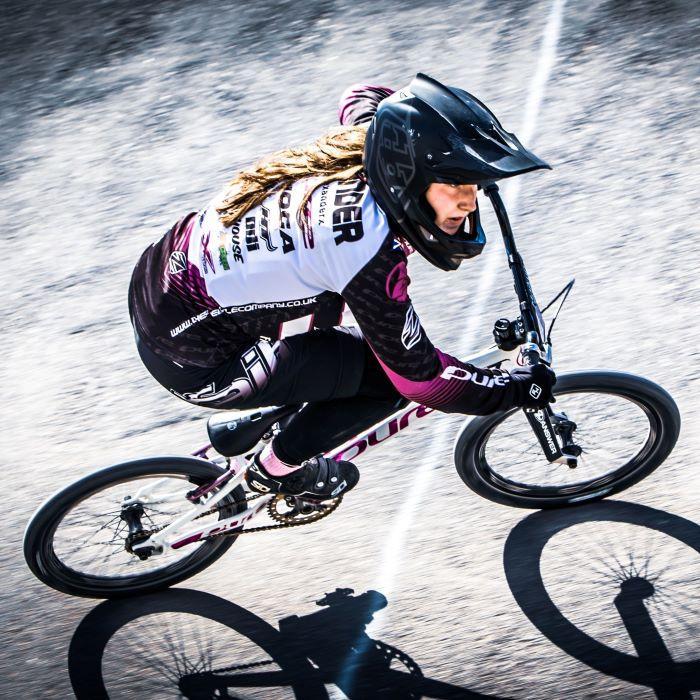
117 117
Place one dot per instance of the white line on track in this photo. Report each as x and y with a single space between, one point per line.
394 547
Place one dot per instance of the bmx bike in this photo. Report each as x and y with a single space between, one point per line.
144 525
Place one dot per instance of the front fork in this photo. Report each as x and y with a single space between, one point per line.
545 423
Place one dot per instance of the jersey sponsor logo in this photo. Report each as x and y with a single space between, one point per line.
188 323
294 303
223 253
464 375
285 223
397 282
251 238
223 258
236 243
265 229
323 204
347 214
265 305
207 259
411 329
177 262
403 246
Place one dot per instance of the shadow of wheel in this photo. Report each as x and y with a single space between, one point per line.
97 628
522 556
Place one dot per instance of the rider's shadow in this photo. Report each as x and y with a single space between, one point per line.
632 587
309 652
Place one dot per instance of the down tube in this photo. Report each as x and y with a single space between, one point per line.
382 431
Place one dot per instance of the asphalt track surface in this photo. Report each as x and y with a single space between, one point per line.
117 117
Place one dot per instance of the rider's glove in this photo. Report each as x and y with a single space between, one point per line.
533 385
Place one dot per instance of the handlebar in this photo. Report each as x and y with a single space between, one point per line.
536 348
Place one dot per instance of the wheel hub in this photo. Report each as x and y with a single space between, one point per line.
131 515
131 540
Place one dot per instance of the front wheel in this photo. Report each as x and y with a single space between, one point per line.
77 541
625 427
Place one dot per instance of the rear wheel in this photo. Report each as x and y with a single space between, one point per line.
77 541
625 427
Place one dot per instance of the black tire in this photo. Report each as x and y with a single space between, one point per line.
655 405
47 566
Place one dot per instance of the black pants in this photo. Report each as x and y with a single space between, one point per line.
332 371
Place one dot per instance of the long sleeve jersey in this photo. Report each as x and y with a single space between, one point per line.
205 291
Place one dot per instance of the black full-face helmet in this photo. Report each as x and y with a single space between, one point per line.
427 133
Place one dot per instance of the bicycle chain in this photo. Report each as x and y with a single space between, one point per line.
282 520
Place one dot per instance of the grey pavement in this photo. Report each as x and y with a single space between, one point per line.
117 117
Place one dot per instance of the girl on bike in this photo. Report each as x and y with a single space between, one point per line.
240 304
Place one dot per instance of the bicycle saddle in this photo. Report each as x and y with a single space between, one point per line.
235 432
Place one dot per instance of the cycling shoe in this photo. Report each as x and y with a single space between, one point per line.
318 478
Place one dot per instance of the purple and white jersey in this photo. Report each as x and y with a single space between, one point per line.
268 258
205 292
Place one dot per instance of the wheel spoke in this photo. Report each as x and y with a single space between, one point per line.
614 432
79 544
76 542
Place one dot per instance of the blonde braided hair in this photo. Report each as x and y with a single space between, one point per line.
337 155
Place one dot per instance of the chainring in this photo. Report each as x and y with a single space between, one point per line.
300 512
297 514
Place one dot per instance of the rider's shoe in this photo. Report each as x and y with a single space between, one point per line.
318 478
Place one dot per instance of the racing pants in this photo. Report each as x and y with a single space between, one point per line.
332 371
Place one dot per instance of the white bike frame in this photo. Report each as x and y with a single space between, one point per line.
177 534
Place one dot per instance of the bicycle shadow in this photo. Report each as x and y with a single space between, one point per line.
653 666
308 652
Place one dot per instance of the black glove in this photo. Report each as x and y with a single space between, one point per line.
533 385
